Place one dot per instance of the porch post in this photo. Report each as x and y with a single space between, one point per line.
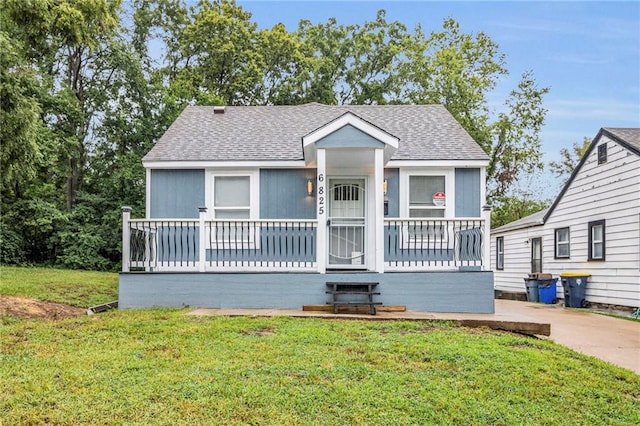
126 238
321 210
486 251
378 223
202 247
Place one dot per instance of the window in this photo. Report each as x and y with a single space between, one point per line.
562 243
536 255
500 253
602 153
232 197
232 203
596 240
421 192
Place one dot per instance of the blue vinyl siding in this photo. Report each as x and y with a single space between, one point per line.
467 192
393 192
283 194
349 137
176 193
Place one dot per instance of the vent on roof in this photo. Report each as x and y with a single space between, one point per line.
218 110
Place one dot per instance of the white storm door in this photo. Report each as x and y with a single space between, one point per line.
346 236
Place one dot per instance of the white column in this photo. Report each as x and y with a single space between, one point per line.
378 219
486 241
126 238
202 238
321 210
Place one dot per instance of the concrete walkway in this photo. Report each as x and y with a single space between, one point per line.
614 340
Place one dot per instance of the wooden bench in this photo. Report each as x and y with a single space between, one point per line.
363 290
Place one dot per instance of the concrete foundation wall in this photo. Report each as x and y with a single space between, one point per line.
468 291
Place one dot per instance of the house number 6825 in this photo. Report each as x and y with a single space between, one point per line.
320 194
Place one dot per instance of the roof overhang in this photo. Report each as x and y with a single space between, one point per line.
348 119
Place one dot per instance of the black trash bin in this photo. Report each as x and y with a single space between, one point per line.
532 289
575 287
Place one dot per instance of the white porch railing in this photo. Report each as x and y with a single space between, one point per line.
435 244
291 245
228 245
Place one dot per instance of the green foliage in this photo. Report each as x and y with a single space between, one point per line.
83 101
12 250
185 369
509 208
569 159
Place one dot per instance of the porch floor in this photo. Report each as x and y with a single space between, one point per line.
614 340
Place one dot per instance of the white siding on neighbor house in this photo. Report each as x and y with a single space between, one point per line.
517 258
608 191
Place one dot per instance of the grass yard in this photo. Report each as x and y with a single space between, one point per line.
75 288
161 367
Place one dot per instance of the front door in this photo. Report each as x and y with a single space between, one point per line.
346 224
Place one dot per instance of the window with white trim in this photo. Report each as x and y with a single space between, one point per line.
562 243
421 192
232 205
232 197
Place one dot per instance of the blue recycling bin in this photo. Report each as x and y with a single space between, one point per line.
575 288
547 291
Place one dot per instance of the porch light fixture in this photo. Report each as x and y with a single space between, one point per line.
385 186
309 187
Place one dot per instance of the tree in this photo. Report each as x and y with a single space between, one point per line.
515 149
510 208
569 160
352 64
456 70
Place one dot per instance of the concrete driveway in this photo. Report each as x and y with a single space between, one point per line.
614 340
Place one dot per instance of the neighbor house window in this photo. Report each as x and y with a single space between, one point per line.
421 196
602 153
232 197
500 253
536 255
596 240
562 243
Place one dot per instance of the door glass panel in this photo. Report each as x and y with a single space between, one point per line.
346 223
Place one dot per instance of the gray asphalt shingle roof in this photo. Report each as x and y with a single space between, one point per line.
630 135
244 133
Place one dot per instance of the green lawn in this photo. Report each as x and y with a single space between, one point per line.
75 288
162 367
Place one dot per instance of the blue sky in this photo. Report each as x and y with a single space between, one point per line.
588 53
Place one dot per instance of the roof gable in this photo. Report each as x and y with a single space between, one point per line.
628 138
341 124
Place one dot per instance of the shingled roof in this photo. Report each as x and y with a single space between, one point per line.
629 137
246 133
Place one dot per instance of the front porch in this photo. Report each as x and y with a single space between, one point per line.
243 245
435 265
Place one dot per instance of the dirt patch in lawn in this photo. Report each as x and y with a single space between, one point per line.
30 308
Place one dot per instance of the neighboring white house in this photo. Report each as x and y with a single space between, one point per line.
593 226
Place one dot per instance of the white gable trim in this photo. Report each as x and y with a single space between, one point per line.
348 119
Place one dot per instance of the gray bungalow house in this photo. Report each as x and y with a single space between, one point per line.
262 206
